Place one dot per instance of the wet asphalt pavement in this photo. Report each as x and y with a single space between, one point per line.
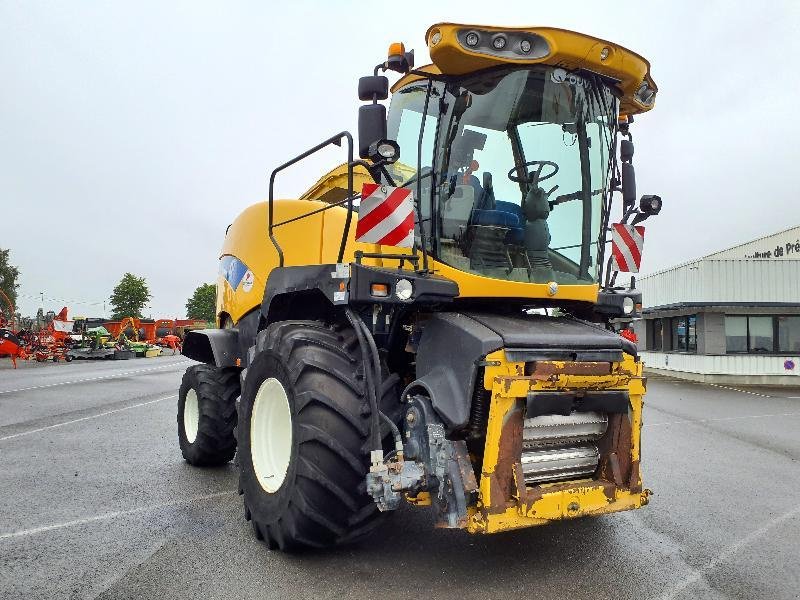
96 502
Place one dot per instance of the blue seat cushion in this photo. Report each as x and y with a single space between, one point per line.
510 207
498 218
516 235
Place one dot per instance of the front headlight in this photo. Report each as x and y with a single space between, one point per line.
403 289
627 305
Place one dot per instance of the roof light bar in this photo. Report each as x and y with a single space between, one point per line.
503 44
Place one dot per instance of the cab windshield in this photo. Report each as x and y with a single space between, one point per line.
515 170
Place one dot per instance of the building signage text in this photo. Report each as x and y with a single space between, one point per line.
790 250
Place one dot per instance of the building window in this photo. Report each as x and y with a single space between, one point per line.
735 334
679 333
762 334
658 334
684 333
788 334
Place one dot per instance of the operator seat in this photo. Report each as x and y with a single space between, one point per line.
537 234
495 225
486 210
490 211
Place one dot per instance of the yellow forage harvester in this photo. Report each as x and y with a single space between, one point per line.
437 320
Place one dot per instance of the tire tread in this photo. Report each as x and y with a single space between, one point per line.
328 504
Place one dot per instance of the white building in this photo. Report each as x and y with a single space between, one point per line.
729 317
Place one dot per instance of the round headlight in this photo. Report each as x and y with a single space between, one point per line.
525 46
386 150
472 38
403 289
499 42
627 305
436 37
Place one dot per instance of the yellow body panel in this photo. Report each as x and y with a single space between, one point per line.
310 241
316 240
471 285
563 500
332 187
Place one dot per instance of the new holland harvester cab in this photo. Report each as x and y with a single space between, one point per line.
436 320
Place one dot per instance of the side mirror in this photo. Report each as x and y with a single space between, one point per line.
628 174
371 127
628 185
625 150
373 87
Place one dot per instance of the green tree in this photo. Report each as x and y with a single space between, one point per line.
129 297
8 279
203 303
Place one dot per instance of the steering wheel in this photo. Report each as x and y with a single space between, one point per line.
533 177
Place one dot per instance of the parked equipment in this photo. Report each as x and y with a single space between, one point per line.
13 346
448 341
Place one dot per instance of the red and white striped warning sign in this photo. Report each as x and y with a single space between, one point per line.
626 247
386 216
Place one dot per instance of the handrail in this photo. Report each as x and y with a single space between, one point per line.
335 140
412 258
314 212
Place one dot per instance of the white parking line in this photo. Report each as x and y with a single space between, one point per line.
733 389
698 573
109 515
721 419
102 414
112 376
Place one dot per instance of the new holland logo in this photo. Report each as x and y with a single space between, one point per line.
559 75
386 216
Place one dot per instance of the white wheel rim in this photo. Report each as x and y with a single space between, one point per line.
271 435
191 416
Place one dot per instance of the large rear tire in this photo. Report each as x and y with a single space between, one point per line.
207 415
304 423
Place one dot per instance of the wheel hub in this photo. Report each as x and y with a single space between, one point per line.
271 434
191 416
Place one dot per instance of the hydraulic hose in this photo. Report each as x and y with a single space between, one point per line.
375 424
376 373
398 438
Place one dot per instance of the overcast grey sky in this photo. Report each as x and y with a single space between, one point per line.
131 134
